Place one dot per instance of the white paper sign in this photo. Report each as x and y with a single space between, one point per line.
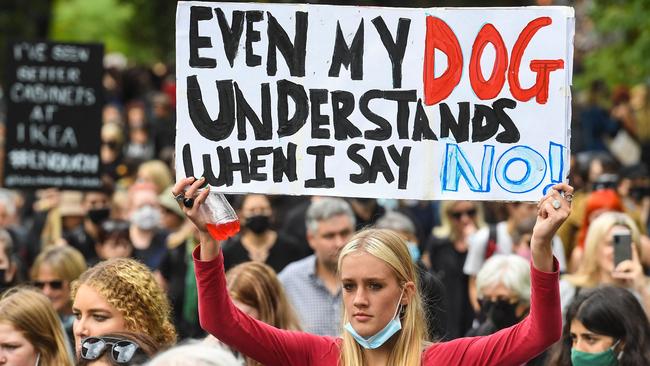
438 103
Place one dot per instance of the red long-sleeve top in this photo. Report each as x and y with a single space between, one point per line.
272 346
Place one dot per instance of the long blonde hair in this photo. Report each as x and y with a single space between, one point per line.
256 285
32 314
588 272
390 248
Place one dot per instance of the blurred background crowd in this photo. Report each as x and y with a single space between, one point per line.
473 255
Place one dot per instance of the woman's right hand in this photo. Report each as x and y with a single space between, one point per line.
190 186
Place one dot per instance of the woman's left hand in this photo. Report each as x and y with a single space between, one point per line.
552 211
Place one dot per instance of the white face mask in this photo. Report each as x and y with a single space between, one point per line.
146 217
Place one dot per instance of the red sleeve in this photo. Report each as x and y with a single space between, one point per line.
255 339
517 344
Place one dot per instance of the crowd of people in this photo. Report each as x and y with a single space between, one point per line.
127 274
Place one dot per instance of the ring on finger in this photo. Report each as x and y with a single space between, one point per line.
568 197
556 204
188 202
179 197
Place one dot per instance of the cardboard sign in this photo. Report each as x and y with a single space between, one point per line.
54 115
436 103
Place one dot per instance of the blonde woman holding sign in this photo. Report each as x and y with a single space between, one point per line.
383 316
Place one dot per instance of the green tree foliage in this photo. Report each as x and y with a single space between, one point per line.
102 21
142 30
622 53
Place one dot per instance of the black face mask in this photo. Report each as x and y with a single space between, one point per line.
258 223
501 313
99 215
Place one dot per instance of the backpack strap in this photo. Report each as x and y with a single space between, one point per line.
491 247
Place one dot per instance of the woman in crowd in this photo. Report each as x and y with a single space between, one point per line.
445 256
382 309
118 295
596 203
604 327
53 272
30 330
503 288
256 291
117 349
258 241
598 267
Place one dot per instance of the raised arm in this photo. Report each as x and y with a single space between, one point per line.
543 326
221 318
552 211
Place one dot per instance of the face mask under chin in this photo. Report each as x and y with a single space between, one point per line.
378 339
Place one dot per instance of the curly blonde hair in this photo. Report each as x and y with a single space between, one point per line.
129 286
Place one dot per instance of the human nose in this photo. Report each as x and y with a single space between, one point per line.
3 356
577 345
340 241
80 329
360 299
47 290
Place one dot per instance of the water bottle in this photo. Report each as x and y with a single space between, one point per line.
222 221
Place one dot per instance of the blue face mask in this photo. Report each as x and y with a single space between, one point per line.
414 250
605 358
379 338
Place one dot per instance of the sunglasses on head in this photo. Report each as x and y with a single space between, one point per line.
458 214
122 351
54 285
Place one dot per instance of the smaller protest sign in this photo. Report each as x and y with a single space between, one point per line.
54 111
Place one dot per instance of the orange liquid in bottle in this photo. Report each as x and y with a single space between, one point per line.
224 230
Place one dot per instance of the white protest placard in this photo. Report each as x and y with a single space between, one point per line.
437 103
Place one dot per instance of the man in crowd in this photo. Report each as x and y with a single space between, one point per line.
311 283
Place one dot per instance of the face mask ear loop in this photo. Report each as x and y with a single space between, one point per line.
399 306
620 354
399 303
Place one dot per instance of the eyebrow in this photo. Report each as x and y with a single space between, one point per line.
370 279
94 310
